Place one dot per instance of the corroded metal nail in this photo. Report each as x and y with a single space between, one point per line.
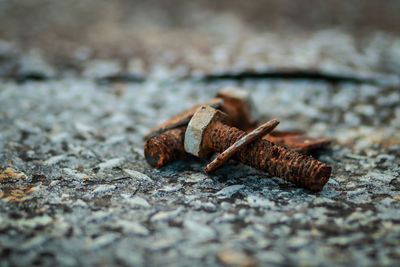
241 143
165 148
213 135
168 146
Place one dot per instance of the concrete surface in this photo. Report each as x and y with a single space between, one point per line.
79 192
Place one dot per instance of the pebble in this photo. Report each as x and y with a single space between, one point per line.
166 215
75 174
138 175
229 191
208 206
256 201
102 190
198 231
32 243
111 163
236 258
137 202
54 160
196 177
171 188
34 222
102 241
132 227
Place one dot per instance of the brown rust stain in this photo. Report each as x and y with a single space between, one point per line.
10 173
11 191
18 194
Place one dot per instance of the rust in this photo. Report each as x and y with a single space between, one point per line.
302 170
239 106
157 151
165 148
181 119
241 143
164 144
296 141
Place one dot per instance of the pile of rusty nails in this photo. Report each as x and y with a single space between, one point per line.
226 125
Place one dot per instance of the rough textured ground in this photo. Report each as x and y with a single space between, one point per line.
80 192
75 189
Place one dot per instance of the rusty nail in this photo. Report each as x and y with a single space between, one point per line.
241 143
168 146
165 148
207 133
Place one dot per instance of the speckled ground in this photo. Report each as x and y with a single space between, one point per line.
75 189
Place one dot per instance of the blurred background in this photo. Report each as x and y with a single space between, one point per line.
194 37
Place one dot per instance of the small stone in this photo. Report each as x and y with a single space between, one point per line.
54 183
102 241
84 129
384 159
256 201
111 163
298 242
166 215
80 203
75 174
236 258
103 189
54 160
198 231
34 222
137 202
171 188
138 175
208 206
196 177
229 191
133 227
322 200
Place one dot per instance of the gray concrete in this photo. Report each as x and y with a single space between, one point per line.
82 193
